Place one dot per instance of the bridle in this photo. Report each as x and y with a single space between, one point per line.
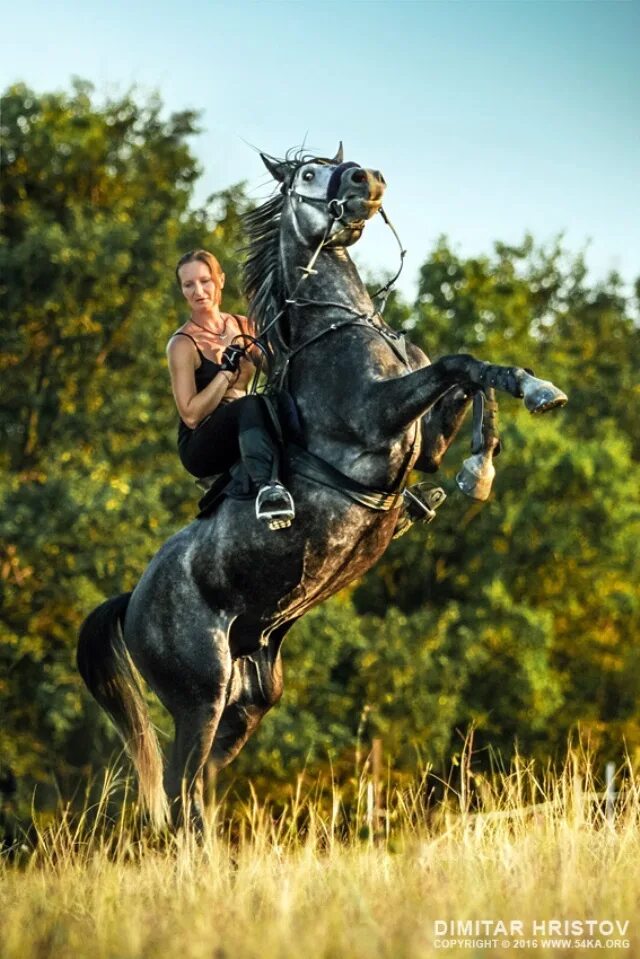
334 208
395 340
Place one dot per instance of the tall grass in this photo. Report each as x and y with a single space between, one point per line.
327 877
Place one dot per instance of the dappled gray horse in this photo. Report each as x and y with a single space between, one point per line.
205 624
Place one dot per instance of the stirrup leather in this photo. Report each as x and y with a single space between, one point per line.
274 506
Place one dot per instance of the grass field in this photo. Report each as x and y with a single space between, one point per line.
520 848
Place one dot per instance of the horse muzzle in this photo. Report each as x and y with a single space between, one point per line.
356 192
359 209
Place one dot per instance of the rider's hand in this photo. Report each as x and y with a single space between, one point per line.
245 373
231 358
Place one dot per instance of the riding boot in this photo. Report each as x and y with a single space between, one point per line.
274 504
259 454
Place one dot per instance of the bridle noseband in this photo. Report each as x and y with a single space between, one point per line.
335 207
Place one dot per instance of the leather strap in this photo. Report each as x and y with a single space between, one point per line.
312 467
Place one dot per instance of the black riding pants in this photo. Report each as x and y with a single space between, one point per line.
236 430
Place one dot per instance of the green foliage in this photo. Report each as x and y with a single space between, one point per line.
97 210
519 617
545 576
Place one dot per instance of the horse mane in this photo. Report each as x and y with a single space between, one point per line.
262 271
263 281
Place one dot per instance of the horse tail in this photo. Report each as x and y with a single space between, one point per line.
106 667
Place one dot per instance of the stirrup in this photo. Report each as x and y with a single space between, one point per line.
419 505
422 500
280 512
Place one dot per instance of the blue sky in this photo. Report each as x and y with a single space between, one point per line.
487 117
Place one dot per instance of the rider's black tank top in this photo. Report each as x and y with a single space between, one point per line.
203 375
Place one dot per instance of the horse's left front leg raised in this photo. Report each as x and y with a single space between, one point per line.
392 404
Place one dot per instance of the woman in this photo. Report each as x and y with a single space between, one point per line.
219 423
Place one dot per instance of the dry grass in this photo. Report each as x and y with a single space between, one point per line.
310 883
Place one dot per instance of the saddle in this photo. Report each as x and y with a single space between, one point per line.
418 502
236 483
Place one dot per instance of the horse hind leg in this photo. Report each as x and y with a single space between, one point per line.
256 686
195 728
261 689
196 710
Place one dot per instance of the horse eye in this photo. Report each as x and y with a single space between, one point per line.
308 175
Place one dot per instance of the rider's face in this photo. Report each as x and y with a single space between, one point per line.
198 286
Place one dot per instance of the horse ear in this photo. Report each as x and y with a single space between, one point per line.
339 157
277 168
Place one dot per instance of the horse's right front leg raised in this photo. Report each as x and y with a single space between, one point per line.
439 427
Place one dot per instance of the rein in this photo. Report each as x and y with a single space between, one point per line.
395 340
325 473
335 210
305 463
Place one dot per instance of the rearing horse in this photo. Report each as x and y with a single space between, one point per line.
205 624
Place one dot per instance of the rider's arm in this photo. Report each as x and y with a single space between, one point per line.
248 362
193 406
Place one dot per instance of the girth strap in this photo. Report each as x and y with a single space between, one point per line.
311 467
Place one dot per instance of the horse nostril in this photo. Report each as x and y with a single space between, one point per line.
358 176
380 177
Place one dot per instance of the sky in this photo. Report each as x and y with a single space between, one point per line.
488 118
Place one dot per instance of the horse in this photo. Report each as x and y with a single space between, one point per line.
205 624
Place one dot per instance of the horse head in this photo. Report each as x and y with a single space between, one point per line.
327 198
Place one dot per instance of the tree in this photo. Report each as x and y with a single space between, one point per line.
544 578
97 209
519 616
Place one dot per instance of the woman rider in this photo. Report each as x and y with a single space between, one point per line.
219 422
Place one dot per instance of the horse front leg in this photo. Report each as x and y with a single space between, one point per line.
439 427
475 479
393 404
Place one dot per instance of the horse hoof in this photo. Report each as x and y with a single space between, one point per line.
476 477
541 395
